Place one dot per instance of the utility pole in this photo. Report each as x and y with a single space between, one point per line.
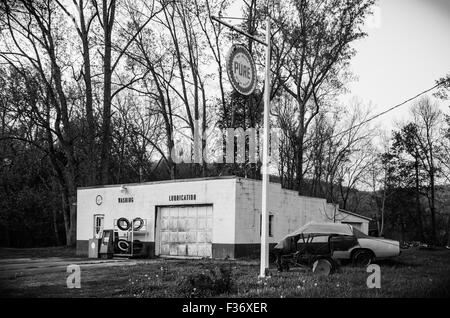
264 261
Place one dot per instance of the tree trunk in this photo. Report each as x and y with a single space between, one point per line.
92 170
432 208
299 167
68 199
448 231
383 206
55 225
108 21
418 206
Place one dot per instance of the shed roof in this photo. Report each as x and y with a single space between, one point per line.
355 214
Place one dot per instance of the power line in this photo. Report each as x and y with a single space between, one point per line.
237 18
233 18
385 112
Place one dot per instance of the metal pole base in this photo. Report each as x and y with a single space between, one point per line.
266 273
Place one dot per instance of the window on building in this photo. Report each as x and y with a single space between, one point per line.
99 221
270 225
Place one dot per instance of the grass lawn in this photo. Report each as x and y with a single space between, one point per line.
415 273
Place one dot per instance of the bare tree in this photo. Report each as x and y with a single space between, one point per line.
82 24
106 11
427 118
33 42
311 54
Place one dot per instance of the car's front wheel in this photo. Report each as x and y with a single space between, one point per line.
362 258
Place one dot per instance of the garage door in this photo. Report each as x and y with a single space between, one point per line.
186 231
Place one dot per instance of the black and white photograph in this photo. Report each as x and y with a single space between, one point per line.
220 154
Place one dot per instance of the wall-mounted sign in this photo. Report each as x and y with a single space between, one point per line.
241 69
183 197
99 199
125 200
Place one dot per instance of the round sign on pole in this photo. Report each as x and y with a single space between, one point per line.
241 69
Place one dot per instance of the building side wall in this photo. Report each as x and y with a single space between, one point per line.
289 210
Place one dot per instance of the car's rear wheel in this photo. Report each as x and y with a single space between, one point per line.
322 267
362 258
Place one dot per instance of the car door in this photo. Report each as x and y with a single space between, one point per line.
342 245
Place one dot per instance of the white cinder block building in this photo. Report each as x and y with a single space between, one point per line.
208 217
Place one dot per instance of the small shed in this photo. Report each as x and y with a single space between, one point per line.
358 221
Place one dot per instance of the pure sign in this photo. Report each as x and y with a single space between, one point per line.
241 69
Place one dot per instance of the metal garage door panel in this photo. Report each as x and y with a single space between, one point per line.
192 213
182 237
165 249
204 250
182 224
182 250
182 212
192 249
173 221
165 237
164 224
186 231
201 211
173 212
173 237
173 249
191 237
191 222
202 237
201 223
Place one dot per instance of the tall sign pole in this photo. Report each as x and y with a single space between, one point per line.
245 87
264 266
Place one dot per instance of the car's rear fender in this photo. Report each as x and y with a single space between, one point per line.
380 247
357 249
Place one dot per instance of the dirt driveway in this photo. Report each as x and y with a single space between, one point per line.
19 267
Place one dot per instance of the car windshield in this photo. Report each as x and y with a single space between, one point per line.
359 234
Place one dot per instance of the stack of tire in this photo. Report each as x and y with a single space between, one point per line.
123 246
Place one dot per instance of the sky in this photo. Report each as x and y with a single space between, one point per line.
407 49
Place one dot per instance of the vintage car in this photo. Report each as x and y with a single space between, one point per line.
334 242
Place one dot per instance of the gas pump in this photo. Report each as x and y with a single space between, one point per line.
107 244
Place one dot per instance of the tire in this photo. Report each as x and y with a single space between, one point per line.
322 267
362 258
123 245
140 225
123 224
